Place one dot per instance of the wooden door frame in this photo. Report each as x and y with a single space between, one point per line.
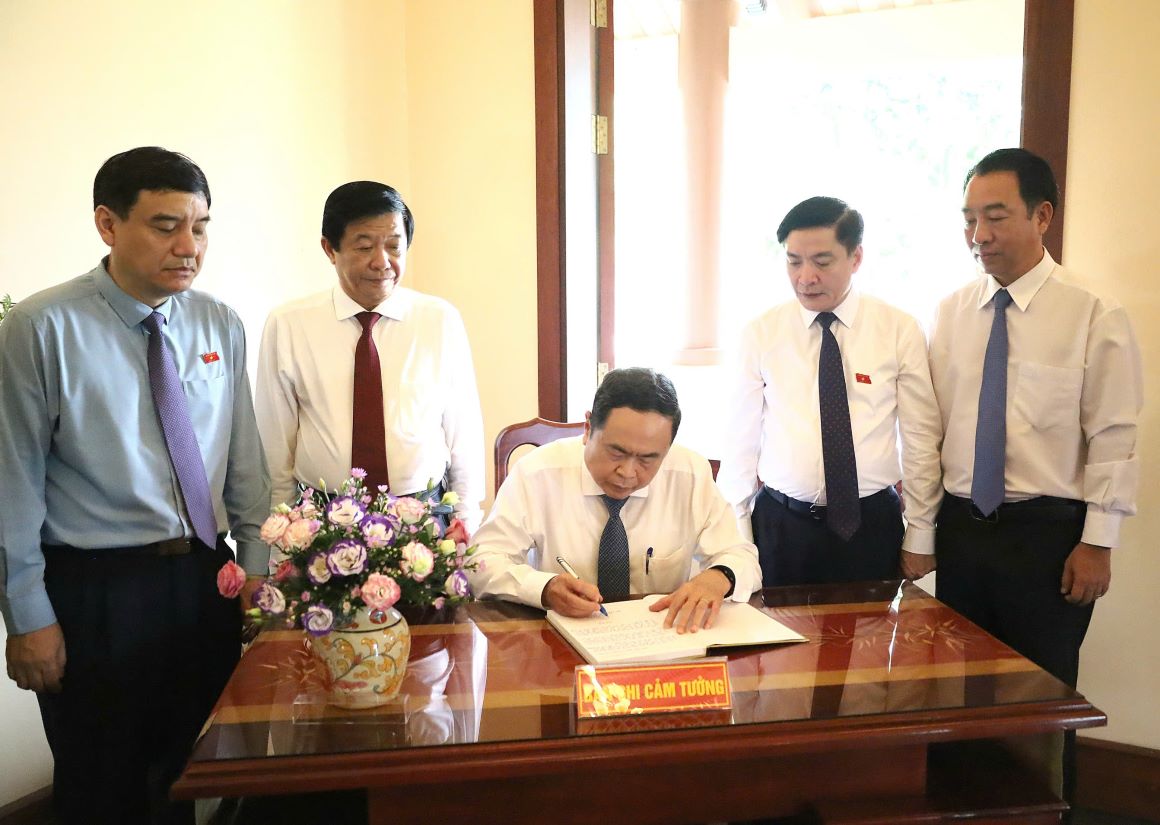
1047 44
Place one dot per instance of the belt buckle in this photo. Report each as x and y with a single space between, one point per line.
977 515
817 511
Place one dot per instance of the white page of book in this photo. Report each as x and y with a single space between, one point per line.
633 633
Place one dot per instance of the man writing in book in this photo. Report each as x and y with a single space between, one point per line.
630 512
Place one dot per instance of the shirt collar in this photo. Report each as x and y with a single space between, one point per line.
131 311
394 307
847 311
1022 289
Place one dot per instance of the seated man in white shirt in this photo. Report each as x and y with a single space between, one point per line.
630 512
369 373
824 388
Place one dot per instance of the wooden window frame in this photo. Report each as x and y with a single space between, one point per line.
1047 45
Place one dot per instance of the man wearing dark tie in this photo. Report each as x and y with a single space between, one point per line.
627 509
825 387
1039 385
128 448
369 373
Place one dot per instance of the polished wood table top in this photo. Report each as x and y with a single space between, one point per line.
488 694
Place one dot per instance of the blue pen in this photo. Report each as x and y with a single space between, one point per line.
647 559
568 569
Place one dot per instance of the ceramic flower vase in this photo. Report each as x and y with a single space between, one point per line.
367 659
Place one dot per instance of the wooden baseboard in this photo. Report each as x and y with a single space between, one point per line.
31 809
1118 779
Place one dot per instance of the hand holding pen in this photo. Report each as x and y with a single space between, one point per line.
568 595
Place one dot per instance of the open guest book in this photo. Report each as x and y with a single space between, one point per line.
633 633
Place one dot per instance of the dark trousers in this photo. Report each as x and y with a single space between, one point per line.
149 644
796 548
1005 577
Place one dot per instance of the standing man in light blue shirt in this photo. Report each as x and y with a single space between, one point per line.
111 536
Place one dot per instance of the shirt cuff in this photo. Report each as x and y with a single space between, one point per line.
1102 529
918 540
531 590
254 557
25 614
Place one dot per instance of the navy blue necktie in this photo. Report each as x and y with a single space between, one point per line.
843 511
612 562
180 439
988 486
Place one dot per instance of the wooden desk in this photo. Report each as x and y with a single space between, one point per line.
485 730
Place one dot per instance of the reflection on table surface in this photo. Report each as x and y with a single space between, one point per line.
497 672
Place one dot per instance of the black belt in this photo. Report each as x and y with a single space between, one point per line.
169 547
1040 508
803 508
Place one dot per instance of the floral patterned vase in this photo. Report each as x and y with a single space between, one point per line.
367 659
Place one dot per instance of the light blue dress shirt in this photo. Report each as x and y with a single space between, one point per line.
83 460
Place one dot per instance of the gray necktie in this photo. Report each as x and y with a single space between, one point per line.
180 439
987 483
843 510
612 563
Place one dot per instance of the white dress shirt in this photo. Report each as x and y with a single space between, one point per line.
305 395
550 506
1074 392
774 433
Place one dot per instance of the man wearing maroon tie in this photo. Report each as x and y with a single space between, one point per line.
369 373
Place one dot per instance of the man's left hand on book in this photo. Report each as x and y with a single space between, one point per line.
696 603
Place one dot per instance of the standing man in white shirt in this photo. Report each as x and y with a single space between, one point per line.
1039 386
370 373
825 387
629 510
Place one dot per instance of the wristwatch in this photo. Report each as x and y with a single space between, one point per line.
729 575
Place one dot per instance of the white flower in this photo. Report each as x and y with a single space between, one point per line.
418 561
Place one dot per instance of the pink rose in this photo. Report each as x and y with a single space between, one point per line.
410 510
457 532
300 533
380 591
231 579
418 561
286 570
273 528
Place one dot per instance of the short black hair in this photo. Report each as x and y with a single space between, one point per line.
1036 180
123 177
637 388
823 211
362 199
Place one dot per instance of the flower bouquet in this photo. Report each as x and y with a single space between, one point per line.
343 561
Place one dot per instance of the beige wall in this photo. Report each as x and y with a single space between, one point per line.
1110 238
279 101
472 139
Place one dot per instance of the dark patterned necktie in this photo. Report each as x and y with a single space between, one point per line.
612 563
843 513
368 431
987 483
180 439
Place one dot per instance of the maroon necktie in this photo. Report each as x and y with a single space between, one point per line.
369 435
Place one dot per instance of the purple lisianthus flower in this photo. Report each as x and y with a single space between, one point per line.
343 511
378 530
347 558
269 599
317 570
317 620
456 585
